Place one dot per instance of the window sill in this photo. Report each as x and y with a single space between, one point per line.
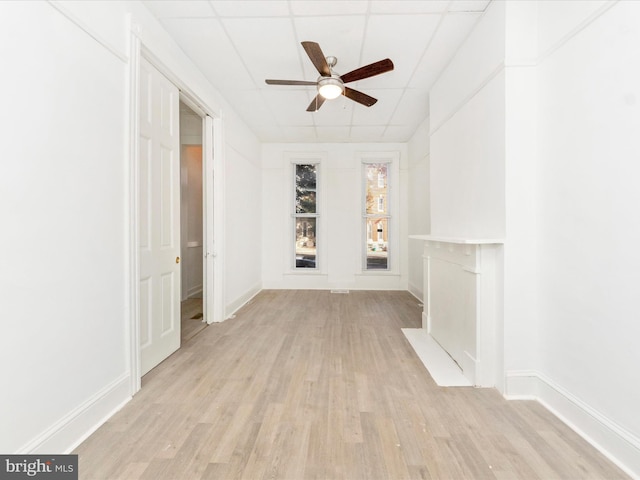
382 273
303 271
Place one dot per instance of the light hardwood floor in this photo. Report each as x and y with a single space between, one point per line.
315 385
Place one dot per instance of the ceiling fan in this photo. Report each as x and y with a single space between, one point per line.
330 85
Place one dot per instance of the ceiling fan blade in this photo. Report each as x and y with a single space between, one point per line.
367 71
359 97
316 103
289 82
317 57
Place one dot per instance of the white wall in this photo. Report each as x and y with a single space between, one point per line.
339 236
243 223
418 211
467 136
588 198
64 180
543 96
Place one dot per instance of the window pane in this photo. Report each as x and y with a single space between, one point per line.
305 242
305 188
305 202
376 188
377 243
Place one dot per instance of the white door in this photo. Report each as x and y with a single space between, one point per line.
159 217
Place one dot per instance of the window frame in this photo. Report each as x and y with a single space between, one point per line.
305 159
392 160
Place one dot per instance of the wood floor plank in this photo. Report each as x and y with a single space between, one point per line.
372 453
229 437
309 384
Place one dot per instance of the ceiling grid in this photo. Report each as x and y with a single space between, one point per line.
237 44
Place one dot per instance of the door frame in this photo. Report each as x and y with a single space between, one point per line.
213 191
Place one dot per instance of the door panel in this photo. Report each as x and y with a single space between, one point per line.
159 218
145 312
168 319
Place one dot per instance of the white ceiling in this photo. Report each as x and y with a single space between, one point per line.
238 44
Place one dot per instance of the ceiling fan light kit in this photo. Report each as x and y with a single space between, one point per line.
330 85
330 88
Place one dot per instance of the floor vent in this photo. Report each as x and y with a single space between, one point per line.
339 290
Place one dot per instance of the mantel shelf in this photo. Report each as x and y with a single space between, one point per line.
458 240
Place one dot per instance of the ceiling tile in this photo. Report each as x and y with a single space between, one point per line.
403 39
324 7
380 113
206 43
450 34
334 134
361 133
267 56
412 108
469 5
396 133
299 134
250 8
289 108
340 37
179 8
409 6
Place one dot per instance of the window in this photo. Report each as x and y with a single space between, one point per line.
305 215
376 215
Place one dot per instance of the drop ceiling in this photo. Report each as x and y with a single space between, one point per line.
238 44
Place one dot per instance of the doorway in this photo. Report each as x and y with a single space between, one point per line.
155 215
170 221
193 319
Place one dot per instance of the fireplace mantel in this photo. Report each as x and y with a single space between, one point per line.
461 295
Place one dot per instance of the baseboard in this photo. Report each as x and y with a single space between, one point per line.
615 442
416 292
470 368
71 430
195 292
241 301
